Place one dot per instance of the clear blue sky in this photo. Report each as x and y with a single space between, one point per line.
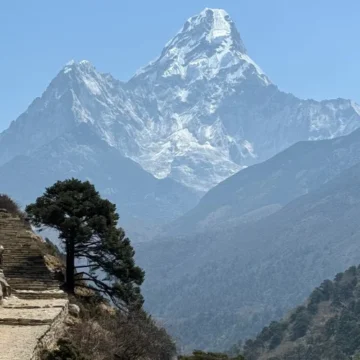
307 47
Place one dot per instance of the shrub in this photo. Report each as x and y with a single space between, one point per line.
300 325
9 204
66 350
105 333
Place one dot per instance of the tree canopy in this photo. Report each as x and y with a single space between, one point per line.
87 225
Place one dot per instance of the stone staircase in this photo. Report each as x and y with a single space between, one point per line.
29 326
24 264
34 317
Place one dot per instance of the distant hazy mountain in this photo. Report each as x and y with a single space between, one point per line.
144 202
197 114
261 189
218 286
325 327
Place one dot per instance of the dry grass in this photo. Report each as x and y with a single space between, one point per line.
104 333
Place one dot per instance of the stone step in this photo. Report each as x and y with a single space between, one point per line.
28 274
27 285
35 316
24 322
22 283
40 295
33 287
16 303
27 258
32 279
36 280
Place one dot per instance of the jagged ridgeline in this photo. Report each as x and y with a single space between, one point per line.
326 327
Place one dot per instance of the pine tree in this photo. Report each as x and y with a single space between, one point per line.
87 225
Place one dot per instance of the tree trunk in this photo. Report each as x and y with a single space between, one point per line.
70 266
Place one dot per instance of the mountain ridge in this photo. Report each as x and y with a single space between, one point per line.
192 115
291 173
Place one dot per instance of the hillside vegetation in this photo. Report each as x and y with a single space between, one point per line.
101 333
325 327
217 287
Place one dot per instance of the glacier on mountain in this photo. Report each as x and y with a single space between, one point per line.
200 112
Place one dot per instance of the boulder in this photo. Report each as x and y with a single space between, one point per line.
74 310
5 290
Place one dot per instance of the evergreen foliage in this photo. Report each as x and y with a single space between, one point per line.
327 327
87 225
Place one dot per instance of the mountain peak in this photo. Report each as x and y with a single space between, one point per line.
213 10
216 26
83 65
217 23
83 73
207 43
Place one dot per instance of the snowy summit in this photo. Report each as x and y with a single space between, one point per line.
206 44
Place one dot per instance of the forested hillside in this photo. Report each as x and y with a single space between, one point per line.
218 287
325 327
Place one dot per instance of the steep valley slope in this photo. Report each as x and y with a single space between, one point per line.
217 286
261 189
325 327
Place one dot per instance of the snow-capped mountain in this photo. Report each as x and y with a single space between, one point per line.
197 114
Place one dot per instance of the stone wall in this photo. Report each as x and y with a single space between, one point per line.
55 332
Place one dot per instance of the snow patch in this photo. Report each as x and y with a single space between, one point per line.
183 94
